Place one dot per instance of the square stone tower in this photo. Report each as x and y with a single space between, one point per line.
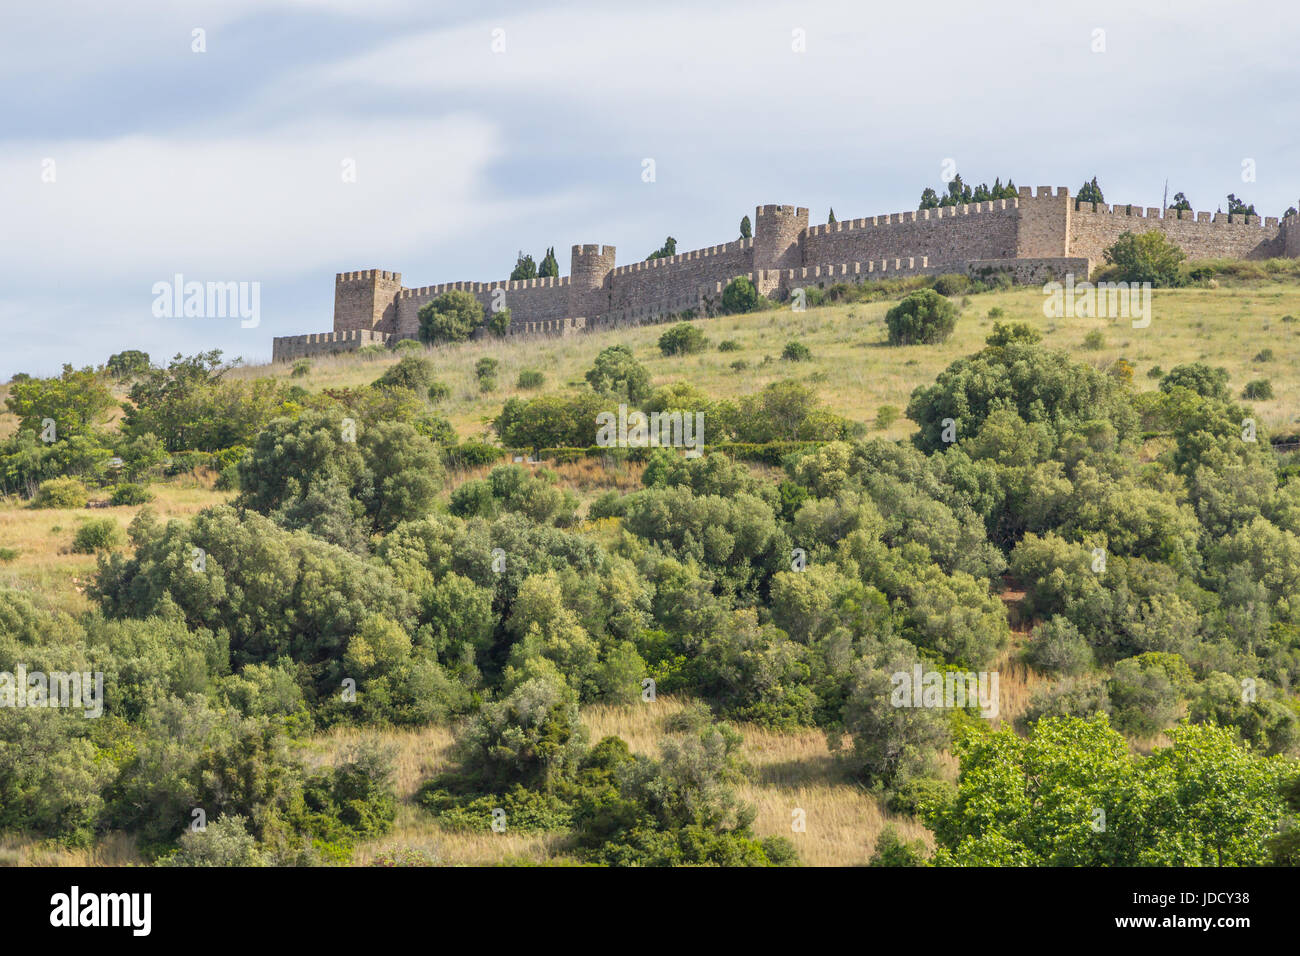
366 300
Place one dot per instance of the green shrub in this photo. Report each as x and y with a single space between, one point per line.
739 296
923 318
997 312
952 283
129 493
62 493
530 378
450 318
98 534
8 554
1149 257
498 323
439 392
1155 371
473 454
301 368
1094 340
408 345
728 345
485 370
796 352
412 372
1261 389
739 365
1264 355
682 339
886 415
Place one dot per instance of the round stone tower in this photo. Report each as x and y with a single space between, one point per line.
778 231
589 269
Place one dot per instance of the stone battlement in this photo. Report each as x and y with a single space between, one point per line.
1038 234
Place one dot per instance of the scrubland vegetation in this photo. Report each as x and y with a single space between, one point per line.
342 615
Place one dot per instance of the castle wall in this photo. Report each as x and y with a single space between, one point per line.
948 237
286 348
643 291
1094 227
529 300
1035 237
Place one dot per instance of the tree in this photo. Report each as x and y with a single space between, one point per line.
923 318
830 220
413 372
1149 257
746 229
739 296
1238 207
1181 203
550 267
616 372
128 364
1205 381
498 323
683 339
451 317
667 250
76 401
929 199
1089 192
525 268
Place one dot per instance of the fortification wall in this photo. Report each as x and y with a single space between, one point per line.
783 281
529 300
643 291
1095 226
286 348
948 237
1032 271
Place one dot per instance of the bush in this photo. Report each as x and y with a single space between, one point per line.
923 318
796 352
1264 355
439 392
129 493
98 534
301 368
1200 378
498 323
413 372
485 370
1261 389
62 493
1155 371
886 415
1149 257
616 372
682 339
1094 341
997 312
739 365
407 345
952 283
450 318
530 378
739 296
728 345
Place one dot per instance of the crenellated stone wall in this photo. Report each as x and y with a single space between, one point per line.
1038 235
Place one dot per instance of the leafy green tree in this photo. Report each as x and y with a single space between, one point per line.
746 229
1148 257
1238 207
616 372
666 251
739 296
127 364
525 268
923 318
1089 192
451 317
1200 378
1181 203
498 322
683 339
414 372
550 267
76 401
550 421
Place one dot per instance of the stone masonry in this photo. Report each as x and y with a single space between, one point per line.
1032 238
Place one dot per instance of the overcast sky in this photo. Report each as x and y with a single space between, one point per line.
228 165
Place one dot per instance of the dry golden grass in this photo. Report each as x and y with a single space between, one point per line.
113 849
856 373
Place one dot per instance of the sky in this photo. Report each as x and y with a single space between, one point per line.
289 140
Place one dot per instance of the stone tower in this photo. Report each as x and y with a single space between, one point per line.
778 232
366 300
589 269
